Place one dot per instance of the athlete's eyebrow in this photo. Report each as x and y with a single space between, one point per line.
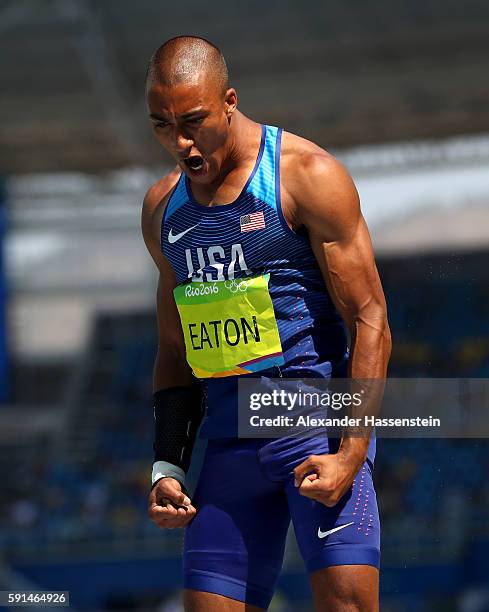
157 117
195 112
192 113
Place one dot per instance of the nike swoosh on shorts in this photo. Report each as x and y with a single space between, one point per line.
323 534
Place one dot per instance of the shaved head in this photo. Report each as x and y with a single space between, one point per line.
188 60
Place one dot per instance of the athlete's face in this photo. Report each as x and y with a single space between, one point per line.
192 122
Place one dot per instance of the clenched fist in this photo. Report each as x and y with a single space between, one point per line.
168 506
325 478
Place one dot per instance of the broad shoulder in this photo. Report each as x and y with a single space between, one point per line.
316 186
304 163
156 199
154 205
158 194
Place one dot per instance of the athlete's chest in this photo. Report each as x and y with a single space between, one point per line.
223 242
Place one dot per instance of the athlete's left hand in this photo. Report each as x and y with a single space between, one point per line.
326 478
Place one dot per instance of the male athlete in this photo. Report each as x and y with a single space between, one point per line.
253 211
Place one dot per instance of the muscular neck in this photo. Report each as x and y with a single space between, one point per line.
243 134
240 153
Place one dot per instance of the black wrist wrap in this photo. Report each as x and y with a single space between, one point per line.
178 413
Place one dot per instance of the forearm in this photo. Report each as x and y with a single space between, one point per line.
370 349
370 353
177 408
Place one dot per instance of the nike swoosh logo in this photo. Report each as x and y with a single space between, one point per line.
323 534
174 237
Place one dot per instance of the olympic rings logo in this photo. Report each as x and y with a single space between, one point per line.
236 285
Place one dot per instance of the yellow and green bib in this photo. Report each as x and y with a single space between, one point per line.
229 326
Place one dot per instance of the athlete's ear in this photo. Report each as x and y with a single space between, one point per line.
230 102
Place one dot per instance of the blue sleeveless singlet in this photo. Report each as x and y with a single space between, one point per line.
251 236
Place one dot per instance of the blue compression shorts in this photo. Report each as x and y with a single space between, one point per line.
245 499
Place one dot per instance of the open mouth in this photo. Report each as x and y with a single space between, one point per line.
194 162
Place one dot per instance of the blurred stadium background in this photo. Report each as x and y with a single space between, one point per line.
397 91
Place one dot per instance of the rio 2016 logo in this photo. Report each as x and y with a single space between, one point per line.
196 289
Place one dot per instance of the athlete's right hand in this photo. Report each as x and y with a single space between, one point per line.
168 506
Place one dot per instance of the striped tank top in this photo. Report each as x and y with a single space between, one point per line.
250 236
